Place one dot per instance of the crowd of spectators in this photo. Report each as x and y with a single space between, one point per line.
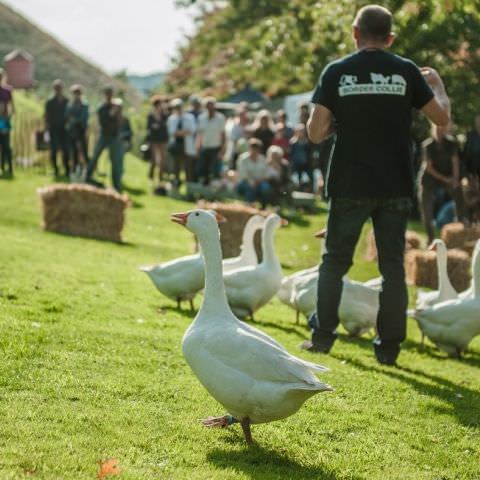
259 157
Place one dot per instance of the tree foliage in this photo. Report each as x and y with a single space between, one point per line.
281 47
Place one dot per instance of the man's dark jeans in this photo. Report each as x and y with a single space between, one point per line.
6 152
59 141
345 222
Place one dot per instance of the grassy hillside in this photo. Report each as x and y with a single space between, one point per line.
52 58
91 368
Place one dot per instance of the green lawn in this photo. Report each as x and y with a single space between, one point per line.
91 368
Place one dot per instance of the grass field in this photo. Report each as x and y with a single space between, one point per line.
91 368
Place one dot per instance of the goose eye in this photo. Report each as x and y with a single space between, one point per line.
197 214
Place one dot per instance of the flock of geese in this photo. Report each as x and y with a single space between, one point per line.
246 370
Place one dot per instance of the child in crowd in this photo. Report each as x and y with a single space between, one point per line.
278 172
300 155
281 139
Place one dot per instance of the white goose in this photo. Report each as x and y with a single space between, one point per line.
445 289
248 255
250 288
247 371
451 325
468 293
180 279
284 293
358 308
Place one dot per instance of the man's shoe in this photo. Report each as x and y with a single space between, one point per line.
386 352
318 344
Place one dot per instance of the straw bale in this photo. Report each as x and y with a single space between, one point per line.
83 210
421 268
231 231
458 235
412 241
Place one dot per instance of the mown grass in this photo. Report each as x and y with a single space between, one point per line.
91 368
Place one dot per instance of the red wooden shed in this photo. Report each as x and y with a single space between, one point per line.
19 66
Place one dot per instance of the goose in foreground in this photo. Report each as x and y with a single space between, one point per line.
451 325
248 255
445 289
247 371
250 288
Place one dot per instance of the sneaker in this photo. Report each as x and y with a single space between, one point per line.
386 353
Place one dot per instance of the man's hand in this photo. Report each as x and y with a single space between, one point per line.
438 108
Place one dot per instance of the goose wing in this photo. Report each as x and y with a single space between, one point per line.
263 361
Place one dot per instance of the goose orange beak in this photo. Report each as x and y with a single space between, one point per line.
321 234
432 247
180 218
283 222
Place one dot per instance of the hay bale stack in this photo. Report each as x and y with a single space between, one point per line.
83 210
421 269
231 231
412 241
458 235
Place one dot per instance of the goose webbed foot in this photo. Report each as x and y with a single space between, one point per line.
219 422
245 423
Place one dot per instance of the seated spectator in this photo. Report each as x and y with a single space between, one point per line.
262 128
281 139
300 155
440 171
278 172
253 174
281 117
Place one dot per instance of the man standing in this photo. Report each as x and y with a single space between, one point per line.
7 109
366 98
109 118
55 123
77 123
181 145
210 141
471 152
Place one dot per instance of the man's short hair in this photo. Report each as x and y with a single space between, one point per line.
255 143
108 89
57 83
76 88
374 22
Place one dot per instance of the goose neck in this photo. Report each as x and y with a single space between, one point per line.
248 247
442 271
268 246
476 273
215 299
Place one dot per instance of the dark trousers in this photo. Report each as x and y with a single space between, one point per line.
115 149
208 164
6 151
299 170
79 148
261 192
345 222
426 200
182 161
59 141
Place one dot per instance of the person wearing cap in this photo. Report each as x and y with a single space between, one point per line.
7 109
210 141
366 98
181 146
109 119
253 174
55 123
76 124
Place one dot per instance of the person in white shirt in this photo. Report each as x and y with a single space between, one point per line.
181 145
253 174
210 141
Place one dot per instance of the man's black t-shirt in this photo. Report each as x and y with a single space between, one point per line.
371 94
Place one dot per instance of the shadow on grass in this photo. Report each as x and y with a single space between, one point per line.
183 310
461 401
258 462
134 191
295 331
